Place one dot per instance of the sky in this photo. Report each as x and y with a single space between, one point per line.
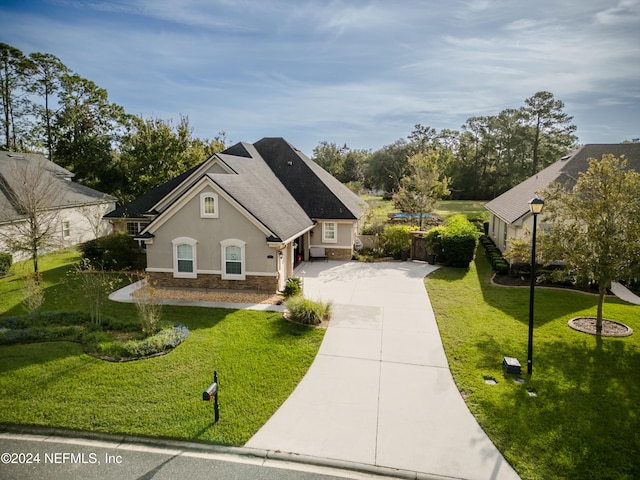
358 72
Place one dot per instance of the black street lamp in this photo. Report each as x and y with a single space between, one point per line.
535 207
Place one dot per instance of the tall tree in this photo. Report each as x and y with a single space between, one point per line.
87 129
330 156
46 72
388 165
153 152
422 187
13 66
596 225
552 130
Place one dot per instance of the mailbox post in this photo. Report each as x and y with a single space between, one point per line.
211 393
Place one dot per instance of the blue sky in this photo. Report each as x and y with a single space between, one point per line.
357 72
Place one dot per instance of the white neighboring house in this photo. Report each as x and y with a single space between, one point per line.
70 211
509 215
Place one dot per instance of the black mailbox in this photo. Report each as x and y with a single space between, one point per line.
511 365
210 393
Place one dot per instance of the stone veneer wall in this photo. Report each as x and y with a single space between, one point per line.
338 253
214 282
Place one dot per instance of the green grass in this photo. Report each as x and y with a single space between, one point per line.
379 208
259 356
470 208
585 421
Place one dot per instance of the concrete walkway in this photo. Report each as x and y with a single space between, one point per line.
380 391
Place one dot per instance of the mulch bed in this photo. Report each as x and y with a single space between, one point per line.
217 296
609 327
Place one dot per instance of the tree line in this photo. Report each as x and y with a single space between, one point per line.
486 157
48 108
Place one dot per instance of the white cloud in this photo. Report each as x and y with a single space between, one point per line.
367 70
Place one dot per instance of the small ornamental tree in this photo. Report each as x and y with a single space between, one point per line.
596 225
423 186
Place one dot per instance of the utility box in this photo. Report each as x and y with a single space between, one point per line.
511 365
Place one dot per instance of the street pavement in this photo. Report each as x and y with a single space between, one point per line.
380 391
49 455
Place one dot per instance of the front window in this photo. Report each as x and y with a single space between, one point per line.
184 255
233 259
184 258
329 232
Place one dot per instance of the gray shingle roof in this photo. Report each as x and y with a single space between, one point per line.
68 194
514 203
285 200
257 189
320 194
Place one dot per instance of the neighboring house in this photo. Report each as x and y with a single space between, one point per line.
72 212
509 215
243 219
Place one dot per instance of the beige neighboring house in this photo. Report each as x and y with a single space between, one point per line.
509 215
243 219
72 212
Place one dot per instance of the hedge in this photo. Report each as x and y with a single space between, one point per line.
497 261
454 243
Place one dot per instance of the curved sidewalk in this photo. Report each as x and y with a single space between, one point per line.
380 391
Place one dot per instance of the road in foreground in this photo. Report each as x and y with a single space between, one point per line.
32 457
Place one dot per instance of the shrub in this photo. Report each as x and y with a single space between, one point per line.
117 251
459 241
5 262
149 305
292 287
162 341
434 243
497 261
305 311
96 285
453 243
33 293
396 240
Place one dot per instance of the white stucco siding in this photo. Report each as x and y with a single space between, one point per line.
209 233
344 234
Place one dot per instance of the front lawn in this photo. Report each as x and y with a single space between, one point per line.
259 356
585 420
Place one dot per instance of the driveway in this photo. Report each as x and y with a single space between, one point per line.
380 391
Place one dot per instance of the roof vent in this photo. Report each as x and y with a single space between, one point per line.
290 163
16 155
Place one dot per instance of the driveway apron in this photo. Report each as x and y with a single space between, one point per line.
380 391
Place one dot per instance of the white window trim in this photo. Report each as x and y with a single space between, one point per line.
203 197
233 242
335 232
185 241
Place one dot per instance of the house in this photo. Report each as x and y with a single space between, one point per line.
243 219
509 215
71 213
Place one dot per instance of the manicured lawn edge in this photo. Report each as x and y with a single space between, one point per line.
585 418
259 356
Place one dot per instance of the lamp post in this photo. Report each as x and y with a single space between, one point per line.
535 207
